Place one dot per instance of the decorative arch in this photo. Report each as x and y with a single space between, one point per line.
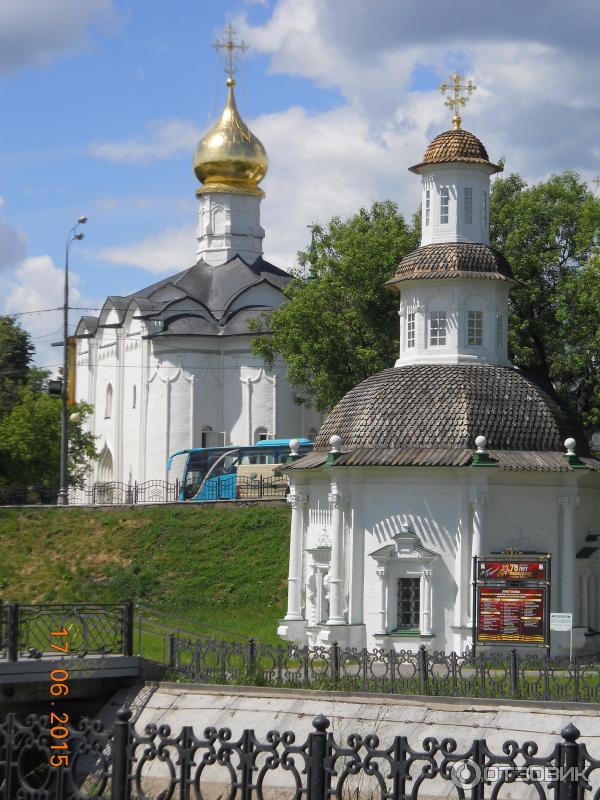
260 434
105 465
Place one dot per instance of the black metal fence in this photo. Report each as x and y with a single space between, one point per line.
510 674
118 493
123 764
30 631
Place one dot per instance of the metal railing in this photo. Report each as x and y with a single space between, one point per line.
122 764
127 494
91 629
511 675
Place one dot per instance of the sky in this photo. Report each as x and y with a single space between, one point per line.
102 103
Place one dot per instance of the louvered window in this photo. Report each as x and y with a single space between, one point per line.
468 205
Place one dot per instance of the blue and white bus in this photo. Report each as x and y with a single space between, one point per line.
236 471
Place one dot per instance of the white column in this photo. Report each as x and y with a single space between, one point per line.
336 570
585 598
381 611
568 505
294 609
426 595
478 503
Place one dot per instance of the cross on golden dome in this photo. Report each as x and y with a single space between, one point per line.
230 46
458 100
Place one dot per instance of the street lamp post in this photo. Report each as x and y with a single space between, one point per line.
63 491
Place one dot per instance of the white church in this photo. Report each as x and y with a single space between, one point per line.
449 454
170 366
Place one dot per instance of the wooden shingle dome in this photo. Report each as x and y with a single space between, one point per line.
452 260
449 405
456 145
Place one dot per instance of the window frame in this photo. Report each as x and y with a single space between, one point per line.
499 331
468 205
444 205
411 330
474 328
427 207
415 588
435 331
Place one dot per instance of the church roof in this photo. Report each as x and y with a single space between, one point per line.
203 300
447 406
456 145
452 260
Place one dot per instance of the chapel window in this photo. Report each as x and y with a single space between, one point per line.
260 434
108 402
444 204
411 323
475 329
499 331
409 602
206 436
437 328
427 206
484 210
468 205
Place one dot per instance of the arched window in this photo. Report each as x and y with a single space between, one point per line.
205 440
134 396
260 434
108 402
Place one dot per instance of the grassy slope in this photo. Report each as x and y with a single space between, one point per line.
219 566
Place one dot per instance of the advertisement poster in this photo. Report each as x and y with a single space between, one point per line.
511 614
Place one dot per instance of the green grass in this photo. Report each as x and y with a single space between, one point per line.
214 570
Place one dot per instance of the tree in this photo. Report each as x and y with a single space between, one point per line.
550 233
16 352
30 442
340 325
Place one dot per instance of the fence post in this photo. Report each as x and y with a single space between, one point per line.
185 760
513 672
576 697
568 763
128 628
317 755
13 631
423 660
251 656
172 650
393 673
94 493
246 765
120 756
335 662
135 493
305 664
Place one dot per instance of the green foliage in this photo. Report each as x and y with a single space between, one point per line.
30 441
209 566
340 325
16 352
550 233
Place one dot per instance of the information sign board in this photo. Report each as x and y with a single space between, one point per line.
511 597
561 622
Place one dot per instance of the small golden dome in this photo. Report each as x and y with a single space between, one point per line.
230 155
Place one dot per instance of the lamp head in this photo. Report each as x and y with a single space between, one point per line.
79 236
82 220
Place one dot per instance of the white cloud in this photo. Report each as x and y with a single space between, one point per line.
13 243
35 32
168 251
161 139
37 284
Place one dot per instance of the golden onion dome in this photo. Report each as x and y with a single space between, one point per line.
230 156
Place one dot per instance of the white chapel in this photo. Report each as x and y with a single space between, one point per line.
170 366
450 453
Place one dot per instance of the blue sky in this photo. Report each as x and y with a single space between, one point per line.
102 102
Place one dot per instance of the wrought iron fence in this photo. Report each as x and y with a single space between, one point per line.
160 763
510 674
91 629
119 493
